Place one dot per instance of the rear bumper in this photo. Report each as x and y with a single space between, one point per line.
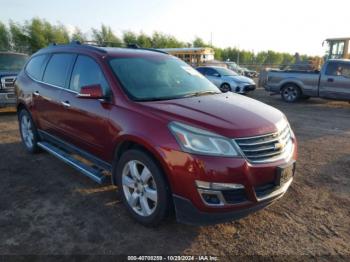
272 89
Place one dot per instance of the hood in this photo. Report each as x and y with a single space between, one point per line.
8 73
227 114
242 79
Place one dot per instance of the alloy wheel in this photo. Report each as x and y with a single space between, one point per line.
139 188
27 131
290 93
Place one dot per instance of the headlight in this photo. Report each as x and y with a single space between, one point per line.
198 141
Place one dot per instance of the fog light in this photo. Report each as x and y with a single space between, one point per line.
211 199
217 186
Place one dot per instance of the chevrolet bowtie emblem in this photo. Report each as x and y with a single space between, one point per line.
279 145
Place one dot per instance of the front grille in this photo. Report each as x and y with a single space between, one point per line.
265 190
235 196
7 82
266 148
249 87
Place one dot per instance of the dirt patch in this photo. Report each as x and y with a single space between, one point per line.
46 207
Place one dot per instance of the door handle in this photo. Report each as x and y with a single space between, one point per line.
65 104
36 93
330 80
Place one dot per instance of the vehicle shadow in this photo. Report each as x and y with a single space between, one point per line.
48 207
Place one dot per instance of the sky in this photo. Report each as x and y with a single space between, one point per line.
256 25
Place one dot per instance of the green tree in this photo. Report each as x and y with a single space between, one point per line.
129 37
5 43
159 40
105 36
37 32
78 35
19 40
144 40
218 53
199 42
59 34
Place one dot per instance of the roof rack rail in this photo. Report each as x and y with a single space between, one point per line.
95 45
136 46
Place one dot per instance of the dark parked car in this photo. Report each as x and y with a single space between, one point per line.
169 138
10 64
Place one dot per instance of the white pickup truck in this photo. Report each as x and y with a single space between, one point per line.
332 82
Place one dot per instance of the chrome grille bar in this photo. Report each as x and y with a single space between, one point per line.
266 148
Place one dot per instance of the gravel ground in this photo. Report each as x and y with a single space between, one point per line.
47 208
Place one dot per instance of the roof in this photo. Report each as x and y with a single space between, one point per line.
211 66
338 39
187 49
74 46
338 60
12 53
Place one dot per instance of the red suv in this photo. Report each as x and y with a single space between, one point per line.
156 128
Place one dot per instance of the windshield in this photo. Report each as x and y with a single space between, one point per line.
160 78
225 72
12 62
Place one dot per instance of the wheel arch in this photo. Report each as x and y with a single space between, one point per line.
131 142
294 83
225 83
20 106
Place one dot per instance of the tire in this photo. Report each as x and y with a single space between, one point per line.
144 192
290 93
225 88
28 131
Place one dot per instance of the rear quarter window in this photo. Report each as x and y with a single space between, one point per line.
35 67
57 69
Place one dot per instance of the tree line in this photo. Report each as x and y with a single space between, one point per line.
37 33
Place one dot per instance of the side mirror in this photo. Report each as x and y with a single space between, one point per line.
91 92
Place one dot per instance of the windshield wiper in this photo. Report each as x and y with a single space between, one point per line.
176 97
201 93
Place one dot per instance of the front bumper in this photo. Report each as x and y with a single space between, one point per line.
7 99
187 213
245 88
258 180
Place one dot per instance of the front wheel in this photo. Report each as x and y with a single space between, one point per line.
29 133
290 93
225 88
144 190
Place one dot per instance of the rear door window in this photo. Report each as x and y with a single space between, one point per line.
211 72
87 72
35 67
57 69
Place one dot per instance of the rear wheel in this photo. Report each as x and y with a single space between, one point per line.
29 133
290 93
142 187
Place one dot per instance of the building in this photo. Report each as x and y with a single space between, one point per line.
192 55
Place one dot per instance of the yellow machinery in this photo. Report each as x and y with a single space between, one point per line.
338 48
